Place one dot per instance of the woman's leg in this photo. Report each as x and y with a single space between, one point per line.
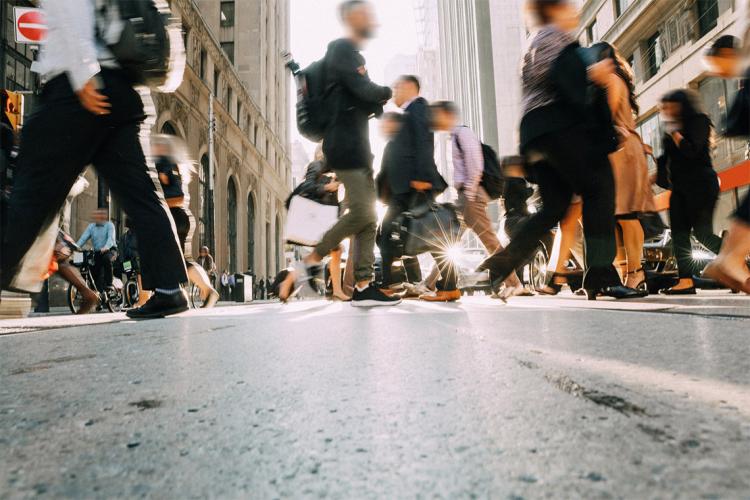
335 270
681 223
569 229
633 239
143 295
70 274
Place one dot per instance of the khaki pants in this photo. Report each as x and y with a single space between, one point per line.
359 223
475 217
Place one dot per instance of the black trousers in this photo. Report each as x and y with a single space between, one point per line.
103 270
448 272
569 167
59 140
692 213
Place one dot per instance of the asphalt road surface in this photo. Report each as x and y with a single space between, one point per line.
543 398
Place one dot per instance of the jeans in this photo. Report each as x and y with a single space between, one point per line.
59 140
359 222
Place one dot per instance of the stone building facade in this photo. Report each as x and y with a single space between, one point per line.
237 197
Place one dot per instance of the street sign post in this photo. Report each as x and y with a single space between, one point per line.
30 25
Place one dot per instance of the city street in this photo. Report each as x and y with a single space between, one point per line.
544 397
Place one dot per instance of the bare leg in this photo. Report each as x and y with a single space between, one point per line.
730 267
633 239
71 275
198 276
335 270
569 227
621 260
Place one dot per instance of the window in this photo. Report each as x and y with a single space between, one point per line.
217 80
228 48
232 225
592 32
251 233
650 131
206 219
203 68
185 37
621 6
708 14
238 116
228 102
227 14
631 63
654 55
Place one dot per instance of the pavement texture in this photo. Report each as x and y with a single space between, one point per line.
542 398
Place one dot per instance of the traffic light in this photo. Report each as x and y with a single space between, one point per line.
13 108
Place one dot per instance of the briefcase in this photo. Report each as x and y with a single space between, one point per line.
308 220
427 226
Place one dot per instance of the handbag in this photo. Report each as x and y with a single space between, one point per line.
308 220
427 226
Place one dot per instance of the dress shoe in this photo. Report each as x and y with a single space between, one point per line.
618 292
161 305
679 291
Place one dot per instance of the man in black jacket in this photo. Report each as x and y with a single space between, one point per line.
410 170
355 99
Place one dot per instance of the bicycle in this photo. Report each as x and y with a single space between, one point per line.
112 298
131 289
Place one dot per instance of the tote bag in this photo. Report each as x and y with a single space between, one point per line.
308 220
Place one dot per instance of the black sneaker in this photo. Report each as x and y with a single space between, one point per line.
373 297
161 305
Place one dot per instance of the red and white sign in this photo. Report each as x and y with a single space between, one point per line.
30 25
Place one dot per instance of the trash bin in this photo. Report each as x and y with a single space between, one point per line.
243 288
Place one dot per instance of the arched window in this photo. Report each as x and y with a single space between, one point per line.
232 224
168 129
206 218
251 233
269 246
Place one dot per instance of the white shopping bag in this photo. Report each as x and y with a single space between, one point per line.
308 221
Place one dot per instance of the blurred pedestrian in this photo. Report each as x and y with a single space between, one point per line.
90 113
468 170
633 192
565 139
174 171
206 261
347 149
686 164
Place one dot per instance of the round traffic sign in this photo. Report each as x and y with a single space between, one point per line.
31 26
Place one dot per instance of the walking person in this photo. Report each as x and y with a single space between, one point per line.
206 261
468 168
89 113
687 164
174 172
354 100
565 141
633 193
411 172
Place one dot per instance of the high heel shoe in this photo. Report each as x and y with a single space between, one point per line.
641 286
618 292
553 288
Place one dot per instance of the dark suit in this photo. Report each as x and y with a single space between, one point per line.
411 157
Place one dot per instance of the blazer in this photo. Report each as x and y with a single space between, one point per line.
354 100
689 165
412 155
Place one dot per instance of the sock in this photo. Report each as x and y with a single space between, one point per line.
169 291
363 288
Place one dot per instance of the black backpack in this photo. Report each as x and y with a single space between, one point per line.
313 106
493 180
143 48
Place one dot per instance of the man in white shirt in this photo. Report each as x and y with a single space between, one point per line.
89 114
468 168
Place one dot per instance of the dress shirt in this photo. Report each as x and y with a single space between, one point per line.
101 236
71 46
